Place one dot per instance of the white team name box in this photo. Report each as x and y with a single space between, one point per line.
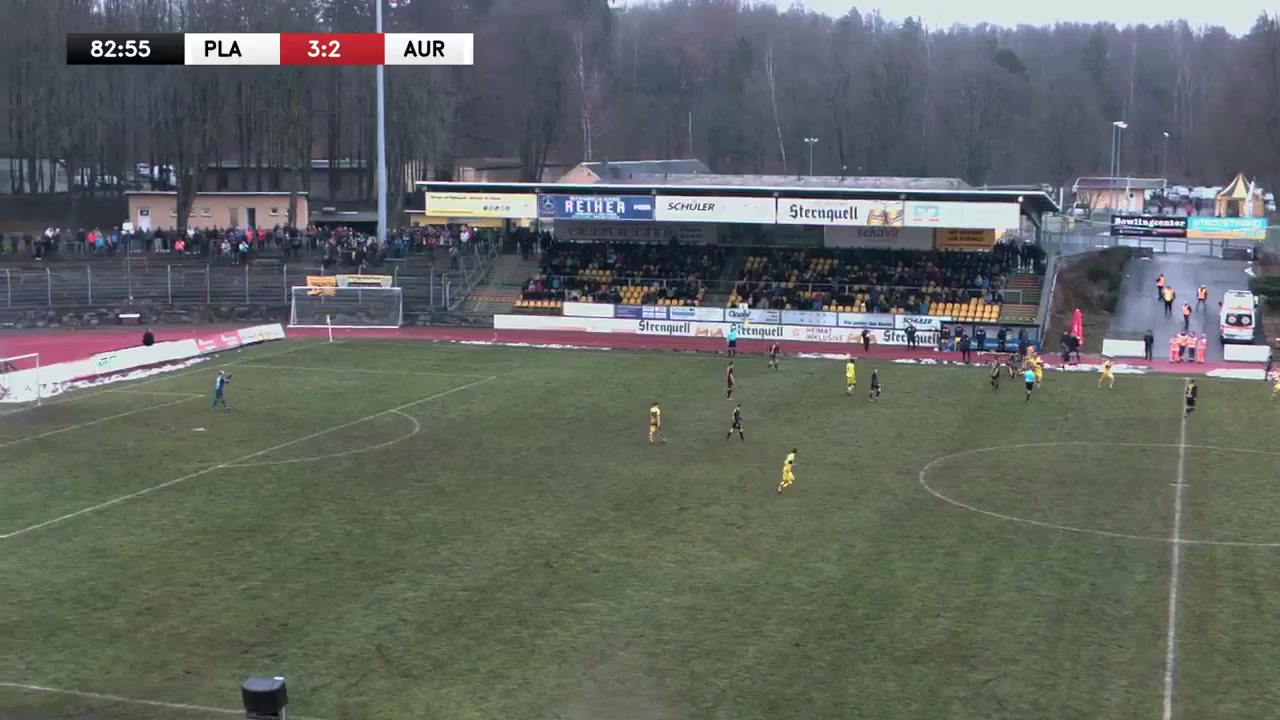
232 48
429 48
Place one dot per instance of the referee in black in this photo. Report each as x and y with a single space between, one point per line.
1192 392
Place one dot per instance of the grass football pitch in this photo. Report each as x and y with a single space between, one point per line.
411 530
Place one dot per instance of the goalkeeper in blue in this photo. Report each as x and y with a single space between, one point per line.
219 390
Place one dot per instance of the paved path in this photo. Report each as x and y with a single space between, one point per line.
1139 310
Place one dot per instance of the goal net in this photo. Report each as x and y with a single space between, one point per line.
20 379
346 307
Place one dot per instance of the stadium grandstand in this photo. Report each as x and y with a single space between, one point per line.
893 246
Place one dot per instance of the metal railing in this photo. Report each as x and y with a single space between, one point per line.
1076 243
175 280
1011 295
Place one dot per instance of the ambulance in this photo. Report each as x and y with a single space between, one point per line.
1238 318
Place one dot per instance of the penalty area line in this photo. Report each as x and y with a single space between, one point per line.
237 461
28 687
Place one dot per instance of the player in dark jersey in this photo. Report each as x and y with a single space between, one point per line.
737 424
729 381
1191 394
774 351
874 394
995 374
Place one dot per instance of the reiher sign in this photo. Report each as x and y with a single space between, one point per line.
682 208
821 211
962 215
1216 228
596 207
482 205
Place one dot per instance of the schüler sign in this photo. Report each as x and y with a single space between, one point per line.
819 211
595 207
684 208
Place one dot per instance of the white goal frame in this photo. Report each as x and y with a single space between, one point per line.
339 315
20 385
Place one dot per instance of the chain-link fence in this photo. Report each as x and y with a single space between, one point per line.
1073 243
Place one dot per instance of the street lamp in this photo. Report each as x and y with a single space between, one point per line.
1116 128
811 141
1164 162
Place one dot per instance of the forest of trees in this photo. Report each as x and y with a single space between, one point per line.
737 85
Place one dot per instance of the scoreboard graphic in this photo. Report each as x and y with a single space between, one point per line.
255 49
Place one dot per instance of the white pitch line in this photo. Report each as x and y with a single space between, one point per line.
1175 568
367 371
72 396
230 463
160 393
91 423
131 701
417 428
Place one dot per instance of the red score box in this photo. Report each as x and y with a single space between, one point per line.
332 49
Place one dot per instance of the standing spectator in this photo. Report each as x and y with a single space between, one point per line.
911 336
1002 340
981 336
966 348
1186 316
1148 341
866 340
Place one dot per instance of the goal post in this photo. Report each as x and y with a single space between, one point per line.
346 307
20 380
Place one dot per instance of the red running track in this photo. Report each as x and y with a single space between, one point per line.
75 345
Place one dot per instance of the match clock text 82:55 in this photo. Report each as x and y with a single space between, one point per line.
125 49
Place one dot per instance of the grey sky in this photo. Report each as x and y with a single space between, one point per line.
1236 16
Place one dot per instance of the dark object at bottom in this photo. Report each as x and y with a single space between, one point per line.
264 698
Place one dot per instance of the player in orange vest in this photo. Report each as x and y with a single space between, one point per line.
1160 286
1174 346
1202 297
1203 348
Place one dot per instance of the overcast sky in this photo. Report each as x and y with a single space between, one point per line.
1236 16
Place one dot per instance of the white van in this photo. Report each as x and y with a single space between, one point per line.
1238 318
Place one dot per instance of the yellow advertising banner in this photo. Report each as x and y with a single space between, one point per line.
322 285
964 239
481 205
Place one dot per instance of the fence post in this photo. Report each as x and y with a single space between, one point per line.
88 274
284 280
208 291
48 286
246 283
8 288
431 288
168 283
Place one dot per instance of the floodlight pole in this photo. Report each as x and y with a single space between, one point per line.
380 75
811 141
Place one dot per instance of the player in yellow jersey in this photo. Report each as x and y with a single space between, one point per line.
788 471
1037 366
655 424
1275 390
850 376
1107 374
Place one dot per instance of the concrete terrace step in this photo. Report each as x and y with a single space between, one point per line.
1018 313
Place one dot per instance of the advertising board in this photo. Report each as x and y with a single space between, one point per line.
773 317
596 207
822 211
364 281
580 309
692 328
881 321
322 285
639 312
635 232
701 314
808 317
951 239
688 208
889 238
963 215
482 205
921 322
1134 225
1216 228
